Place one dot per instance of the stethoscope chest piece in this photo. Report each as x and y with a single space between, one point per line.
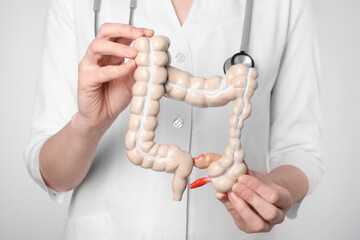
239 58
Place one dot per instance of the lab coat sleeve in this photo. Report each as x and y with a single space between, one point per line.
295 105
55 101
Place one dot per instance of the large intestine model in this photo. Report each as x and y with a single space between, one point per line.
154 78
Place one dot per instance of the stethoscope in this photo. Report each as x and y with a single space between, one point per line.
241 57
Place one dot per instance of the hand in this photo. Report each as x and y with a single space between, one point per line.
256 203
105 82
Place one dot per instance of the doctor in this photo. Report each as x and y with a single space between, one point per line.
80 118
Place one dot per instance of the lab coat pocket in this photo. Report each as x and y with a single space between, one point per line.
95 226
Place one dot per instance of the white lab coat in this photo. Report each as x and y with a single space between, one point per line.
118 200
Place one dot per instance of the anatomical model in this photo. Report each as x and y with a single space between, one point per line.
155 78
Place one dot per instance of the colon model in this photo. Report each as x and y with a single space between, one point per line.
155 78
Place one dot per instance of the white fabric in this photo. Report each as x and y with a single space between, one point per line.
118 200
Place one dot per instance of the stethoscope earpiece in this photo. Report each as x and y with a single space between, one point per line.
239 58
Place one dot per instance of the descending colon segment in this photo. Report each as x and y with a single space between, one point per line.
154 78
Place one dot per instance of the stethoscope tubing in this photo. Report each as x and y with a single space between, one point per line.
241 57
247 26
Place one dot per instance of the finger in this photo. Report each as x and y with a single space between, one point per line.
266 210
254 222
119 30
271 193
101 47
123 41
110 72
222 197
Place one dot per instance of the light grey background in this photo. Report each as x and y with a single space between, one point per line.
331 213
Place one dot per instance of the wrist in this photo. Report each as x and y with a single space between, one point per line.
292 179
85 131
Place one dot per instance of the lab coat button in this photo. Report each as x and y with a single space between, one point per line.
178 122
180 57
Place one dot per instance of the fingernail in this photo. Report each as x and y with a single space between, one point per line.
232 196
239 189
220 196
131 51
148 31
